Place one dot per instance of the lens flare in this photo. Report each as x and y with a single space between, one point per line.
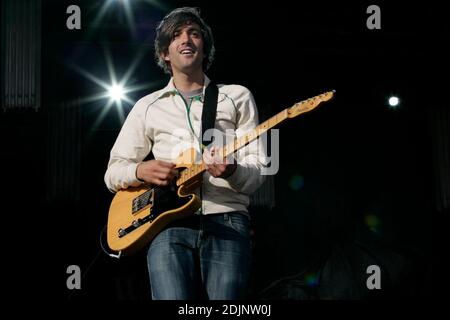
116 92
297 182
312 280
372 222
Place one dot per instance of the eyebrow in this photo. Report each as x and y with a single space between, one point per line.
189 29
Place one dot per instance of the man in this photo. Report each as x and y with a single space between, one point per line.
208 255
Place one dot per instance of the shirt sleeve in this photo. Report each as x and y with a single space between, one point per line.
132 145
251 159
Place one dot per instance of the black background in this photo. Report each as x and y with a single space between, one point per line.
357 156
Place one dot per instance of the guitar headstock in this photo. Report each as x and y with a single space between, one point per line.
309 104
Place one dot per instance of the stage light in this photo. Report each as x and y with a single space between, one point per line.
394 101
128 7
116 92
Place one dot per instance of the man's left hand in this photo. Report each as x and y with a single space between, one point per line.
218 166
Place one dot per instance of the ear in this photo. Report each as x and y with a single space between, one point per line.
165 56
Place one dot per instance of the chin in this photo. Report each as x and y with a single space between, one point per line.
190 68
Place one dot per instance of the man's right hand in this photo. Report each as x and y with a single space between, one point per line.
156 172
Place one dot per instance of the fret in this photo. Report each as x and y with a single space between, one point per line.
261 130
278 117
272 122
226 150
240 143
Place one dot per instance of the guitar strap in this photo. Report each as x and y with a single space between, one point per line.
209 111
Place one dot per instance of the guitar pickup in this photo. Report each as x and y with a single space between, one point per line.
142 201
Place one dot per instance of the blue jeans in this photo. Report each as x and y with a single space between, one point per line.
203 257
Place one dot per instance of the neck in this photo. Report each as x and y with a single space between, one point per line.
188 82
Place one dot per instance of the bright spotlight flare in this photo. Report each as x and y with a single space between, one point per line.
125 6
393 101
116 92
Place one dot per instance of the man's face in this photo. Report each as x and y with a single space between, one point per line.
185 52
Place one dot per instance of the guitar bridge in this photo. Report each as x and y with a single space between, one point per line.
135 224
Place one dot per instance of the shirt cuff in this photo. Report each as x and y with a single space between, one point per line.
132 178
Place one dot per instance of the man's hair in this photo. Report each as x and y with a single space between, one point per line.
170 23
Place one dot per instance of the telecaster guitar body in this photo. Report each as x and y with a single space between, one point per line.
137 215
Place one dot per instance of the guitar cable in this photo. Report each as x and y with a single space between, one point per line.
112 255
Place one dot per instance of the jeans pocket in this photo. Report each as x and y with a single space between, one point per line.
240 223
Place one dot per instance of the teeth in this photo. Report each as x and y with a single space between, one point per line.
186 51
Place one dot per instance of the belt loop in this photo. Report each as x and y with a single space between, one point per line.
226 216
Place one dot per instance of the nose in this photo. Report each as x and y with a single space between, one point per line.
184 37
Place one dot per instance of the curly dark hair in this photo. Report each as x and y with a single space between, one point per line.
170 23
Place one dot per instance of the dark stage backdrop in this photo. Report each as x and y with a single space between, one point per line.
359 182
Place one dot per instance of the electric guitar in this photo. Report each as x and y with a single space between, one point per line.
137 215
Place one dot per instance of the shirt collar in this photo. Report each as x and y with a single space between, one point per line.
171 90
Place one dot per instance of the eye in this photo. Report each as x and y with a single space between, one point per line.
195 34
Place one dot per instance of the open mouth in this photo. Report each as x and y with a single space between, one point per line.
187 51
